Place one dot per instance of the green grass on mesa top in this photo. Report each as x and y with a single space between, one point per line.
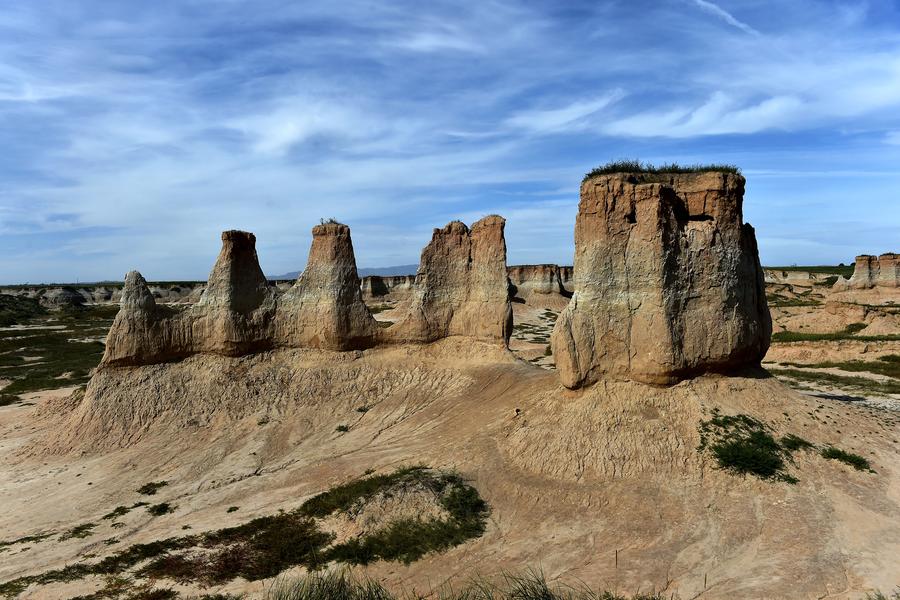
636 166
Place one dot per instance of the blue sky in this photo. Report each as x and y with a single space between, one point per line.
134 132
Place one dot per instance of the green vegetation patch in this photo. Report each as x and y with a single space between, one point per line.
9 399
744 445
847 334
636 166
28 539
149 489
342 585
78 532
266 546
854 460
16 310
42 358
158 510
846 382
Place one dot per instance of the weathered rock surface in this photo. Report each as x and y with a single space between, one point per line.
144 333
871 271
232 317
461 286
395 287
324 308
535 279
667 281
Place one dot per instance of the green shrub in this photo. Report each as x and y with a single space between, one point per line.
854 460
793 443
743 445
150 489
158 510
342 428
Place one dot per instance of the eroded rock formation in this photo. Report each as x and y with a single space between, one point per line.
872 271
461 287
535 279
667 281
324 308
392 287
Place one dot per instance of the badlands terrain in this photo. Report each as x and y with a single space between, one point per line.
666 418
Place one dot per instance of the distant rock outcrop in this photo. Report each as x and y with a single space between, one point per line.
382 287
461 287
871 272
324 308
667 281
535 279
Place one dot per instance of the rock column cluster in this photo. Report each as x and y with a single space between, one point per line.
461 290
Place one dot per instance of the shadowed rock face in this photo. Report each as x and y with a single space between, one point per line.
324 308
462 286
667 281
872 271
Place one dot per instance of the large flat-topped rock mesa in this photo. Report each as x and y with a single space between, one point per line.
461 287
871 272
324 308
667 281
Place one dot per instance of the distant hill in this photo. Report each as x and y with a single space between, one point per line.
382 271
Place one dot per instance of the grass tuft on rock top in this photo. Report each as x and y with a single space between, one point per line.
636 166
266 546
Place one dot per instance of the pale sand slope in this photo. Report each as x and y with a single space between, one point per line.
574 476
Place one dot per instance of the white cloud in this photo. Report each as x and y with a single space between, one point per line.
573 116
892 138
726 16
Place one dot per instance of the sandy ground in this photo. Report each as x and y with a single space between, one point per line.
571 477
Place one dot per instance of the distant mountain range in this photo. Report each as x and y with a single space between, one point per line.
381 271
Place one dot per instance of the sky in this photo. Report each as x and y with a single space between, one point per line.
134 132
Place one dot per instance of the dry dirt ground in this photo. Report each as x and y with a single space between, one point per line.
605 486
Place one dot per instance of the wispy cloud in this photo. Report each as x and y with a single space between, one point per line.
132 134
715 9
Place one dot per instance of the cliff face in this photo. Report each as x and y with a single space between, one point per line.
461 288
872 271
535 279
667 281
324 308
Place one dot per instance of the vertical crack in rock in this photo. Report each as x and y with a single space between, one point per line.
324 308
661 263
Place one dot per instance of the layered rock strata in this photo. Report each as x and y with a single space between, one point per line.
461 287
871 272
535 279
324 308
667 281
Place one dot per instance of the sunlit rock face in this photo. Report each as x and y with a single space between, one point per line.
324 308
461 287
667 281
